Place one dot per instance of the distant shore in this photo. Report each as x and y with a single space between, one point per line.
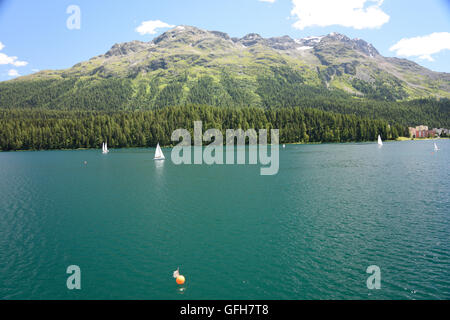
418 139
395 140
281 144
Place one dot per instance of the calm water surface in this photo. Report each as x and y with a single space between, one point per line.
309 232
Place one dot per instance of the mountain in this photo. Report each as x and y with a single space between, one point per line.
188 65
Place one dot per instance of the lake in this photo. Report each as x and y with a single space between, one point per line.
309 232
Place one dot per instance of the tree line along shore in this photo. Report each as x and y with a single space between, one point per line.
42 129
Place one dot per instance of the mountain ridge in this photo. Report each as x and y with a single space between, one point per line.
336 60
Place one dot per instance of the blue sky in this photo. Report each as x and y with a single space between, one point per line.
34 34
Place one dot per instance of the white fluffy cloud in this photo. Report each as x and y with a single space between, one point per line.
270 1
13 73
358 14
5 59
424 46
151 26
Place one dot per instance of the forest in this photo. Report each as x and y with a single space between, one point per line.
45 129
282 88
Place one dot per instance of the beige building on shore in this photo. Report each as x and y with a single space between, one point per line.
421 132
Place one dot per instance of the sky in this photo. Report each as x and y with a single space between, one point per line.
57 34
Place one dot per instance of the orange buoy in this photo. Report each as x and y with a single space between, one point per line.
180 280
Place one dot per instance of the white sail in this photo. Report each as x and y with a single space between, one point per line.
105 148
158 153
380 142
435 147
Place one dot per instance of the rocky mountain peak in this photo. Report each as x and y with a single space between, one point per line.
282 43
220 34
366 47
338 37
126 48
353 44
183 34
251 39
310 41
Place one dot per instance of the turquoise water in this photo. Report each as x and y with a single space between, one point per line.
309 232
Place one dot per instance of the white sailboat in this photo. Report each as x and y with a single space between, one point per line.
158 153
105 148
436 147
380 142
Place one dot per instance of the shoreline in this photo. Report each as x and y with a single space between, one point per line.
400 139
419 139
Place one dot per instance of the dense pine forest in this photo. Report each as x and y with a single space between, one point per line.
283 89
38 129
